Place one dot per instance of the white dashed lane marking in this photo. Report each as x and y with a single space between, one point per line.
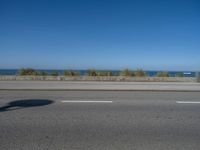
187 102
81 101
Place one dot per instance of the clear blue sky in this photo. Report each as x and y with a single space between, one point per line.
101 34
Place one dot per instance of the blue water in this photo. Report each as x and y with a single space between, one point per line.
84 72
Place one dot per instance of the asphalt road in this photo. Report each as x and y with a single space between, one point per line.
49 120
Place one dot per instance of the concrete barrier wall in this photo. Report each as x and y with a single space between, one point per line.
198 77
98 78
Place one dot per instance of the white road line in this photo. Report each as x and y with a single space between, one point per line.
81 101
187 102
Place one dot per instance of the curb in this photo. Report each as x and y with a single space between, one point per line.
123 90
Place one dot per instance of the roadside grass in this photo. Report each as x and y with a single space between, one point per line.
127 73
179 74
140 73
71 73
162 74
92 72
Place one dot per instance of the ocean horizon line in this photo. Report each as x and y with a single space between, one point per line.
163 70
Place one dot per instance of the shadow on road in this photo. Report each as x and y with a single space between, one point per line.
20 104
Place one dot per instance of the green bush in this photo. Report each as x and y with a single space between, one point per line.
127 73
179 74
28 72
92 72
108 73
71 73
42 73
55 73
140 73
162 74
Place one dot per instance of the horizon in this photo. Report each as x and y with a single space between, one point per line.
104 35
103 70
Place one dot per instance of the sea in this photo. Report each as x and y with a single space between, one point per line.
115 72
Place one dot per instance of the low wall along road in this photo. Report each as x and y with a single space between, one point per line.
99 78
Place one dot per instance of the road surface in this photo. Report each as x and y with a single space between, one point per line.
99 120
